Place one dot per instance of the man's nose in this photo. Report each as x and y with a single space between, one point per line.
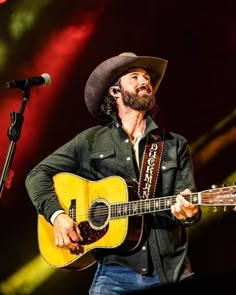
143 81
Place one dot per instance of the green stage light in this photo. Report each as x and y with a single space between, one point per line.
3 54
27 278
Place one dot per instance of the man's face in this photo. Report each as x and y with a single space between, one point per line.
136 90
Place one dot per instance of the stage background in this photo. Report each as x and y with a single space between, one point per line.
68 39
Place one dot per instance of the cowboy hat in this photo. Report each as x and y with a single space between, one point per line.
106 73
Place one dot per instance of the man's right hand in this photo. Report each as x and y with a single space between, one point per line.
66 232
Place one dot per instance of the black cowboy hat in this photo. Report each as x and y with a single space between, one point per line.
106 73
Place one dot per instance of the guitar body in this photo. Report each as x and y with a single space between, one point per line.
89 204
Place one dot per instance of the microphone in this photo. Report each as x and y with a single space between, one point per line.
44 80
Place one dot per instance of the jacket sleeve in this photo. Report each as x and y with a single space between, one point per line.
192 220
39 181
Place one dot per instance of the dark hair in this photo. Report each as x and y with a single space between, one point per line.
108 106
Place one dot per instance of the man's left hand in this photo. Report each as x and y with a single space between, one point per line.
183 209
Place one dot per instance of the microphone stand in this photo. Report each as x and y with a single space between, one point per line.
13 134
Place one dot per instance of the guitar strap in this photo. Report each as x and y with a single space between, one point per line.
150 164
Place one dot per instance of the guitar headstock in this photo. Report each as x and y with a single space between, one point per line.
223 196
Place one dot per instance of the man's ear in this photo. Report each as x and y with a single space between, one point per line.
114 90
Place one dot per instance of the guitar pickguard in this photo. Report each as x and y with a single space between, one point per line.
89 234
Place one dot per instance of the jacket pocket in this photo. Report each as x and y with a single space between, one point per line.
104 162
168 171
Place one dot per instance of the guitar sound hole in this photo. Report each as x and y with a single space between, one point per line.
98 214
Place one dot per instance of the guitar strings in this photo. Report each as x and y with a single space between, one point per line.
137 207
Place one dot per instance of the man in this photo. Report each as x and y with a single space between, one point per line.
128 144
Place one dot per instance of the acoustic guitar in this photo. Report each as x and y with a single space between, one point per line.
109 216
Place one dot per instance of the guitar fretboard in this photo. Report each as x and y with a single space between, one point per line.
146 206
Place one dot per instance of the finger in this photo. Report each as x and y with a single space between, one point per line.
183 208
74 237
59 241
188 209
183 203
177 211
78 233
69 244
186 192
192 211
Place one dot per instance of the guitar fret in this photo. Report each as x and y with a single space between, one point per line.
119 210
147 206
136 208
168 203
157 204
125 209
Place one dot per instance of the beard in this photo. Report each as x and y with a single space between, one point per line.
144 102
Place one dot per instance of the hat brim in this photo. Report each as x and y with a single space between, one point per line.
111 69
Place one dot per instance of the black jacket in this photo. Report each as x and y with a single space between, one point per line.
104 151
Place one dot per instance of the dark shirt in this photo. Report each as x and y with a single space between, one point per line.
105 150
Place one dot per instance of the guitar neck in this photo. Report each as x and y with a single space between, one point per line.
141 207
225 196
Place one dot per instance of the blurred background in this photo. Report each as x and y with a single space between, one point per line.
68 39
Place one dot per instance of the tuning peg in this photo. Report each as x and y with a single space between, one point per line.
225 208
224 185
213 186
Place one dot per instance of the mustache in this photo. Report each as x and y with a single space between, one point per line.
144 87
